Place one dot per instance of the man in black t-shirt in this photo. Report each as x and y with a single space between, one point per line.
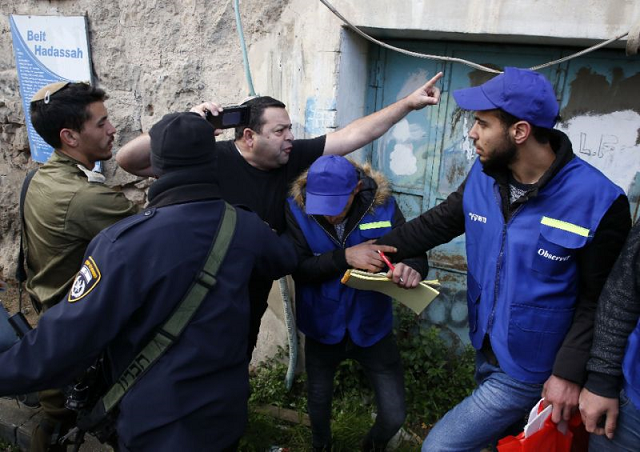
255 169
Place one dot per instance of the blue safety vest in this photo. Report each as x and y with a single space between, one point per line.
522 280
325 311
631 367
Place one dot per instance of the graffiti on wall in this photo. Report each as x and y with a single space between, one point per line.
608 142
601 116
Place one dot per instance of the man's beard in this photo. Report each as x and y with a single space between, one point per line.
501 157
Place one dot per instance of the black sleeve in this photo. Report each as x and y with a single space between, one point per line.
594 264
436 226
311 268
277 257
616 317
420 263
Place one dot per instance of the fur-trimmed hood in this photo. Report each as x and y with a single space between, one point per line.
375 186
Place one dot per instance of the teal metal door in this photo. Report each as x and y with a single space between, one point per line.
428 154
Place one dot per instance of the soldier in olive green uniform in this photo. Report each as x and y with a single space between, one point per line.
65 206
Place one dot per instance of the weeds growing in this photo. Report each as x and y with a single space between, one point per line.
438 375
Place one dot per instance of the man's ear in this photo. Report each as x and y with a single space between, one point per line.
69 137
248 136
520 131
358 187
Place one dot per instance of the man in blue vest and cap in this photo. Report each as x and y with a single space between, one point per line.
543 229
335 211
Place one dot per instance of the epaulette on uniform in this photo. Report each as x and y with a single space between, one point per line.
122 226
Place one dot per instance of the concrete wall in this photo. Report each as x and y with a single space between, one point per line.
530 21
157 56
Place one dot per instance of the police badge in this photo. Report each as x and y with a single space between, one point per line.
87 278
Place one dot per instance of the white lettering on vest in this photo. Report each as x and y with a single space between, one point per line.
475 217
547 255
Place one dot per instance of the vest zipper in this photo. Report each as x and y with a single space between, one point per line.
496 288
347 234
327 232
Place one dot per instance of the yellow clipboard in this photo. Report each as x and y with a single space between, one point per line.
416 299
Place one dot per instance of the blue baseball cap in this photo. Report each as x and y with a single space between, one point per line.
330 181
525 94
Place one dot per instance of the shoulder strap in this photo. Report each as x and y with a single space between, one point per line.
21 272
170 331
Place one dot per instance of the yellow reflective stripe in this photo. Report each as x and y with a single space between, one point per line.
569 227
375 225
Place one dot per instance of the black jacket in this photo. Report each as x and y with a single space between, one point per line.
445 221
375 191
617 317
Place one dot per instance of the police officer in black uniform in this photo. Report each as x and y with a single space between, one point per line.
134 274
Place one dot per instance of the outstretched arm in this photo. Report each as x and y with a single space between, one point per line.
436 226
364 130
317 268
410 272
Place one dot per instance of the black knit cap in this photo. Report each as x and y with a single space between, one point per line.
181 140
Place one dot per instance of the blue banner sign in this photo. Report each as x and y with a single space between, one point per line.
48 49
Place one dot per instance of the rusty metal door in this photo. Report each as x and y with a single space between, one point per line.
428 154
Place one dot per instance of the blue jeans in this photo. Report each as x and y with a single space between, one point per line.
482 418
627 434
382 366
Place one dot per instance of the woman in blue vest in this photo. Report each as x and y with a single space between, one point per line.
543 228
335 211
610 414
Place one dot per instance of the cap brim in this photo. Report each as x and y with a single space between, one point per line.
473 99
325 205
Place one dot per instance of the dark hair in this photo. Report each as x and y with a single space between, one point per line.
541 134
66 109
257 106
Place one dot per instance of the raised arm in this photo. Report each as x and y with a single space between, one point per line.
364 130
135 156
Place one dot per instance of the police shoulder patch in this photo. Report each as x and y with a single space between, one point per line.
86 280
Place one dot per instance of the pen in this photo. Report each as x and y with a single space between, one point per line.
388 262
